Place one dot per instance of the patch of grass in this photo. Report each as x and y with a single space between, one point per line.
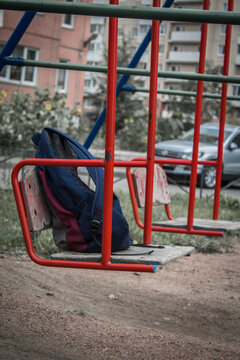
11 238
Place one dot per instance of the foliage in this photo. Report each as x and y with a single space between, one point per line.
183 107
24 114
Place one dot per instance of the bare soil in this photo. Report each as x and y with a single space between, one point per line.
189 309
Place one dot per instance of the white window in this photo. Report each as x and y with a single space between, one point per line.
163 29
159 67
87 83
120 32
236 90
225 6
142 65
221 49
94 28
91 46
26 75
1 18
223 29
175 68
161 49
144 29
62 78
134 31
68 19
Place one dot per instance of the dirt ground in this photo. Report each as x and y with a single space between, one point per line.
189 309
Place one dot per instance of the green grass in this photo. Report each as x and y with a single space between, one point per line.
11 238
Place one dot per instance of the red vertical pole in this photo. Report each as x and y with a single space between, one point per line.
110 138
222 118
152 113
198 111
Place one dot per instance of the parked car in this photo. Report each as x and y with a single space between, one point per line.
181 148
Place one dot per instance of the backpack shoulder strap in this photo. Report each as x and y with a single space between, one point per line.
96 173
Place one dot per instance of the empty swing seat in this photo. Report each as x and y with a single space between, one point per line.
161 196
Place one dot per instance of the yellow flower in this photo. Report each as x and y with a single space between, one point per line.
48 106
3 93
131 120
125 121
1 99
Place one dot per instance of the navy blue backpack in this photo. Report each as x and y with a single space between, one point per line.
76 210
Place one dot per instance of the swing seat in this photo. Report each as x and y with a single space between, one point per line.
39 218
161 196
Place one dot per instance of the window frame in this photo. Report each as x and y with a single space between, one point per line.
23 70
72 17
58 87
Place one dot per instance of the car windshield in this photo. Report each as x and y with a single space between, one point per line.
207 135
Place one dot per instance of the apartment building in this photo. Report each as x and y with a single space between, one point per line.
83 39
53 38
178 46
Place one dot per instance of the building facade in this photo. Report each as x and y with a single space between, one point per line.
178 47
56 37
53 38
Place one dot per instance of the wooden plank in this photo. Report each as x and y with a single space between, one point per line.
38 215
159 256
204 223
161 194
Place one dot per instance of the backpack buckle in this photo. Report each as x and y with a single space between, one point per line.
95 225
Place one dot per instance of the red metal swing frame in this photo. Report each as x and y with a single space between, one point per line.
109 163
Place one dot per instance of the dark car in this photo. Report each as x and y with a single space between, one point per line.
181 148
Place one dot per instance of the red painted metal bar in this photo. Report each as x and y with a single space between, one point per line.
152 113
110 138
168 212
222 117
26 231
198 111
163 228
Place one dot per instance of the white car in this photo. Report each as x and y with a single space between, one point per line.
182 149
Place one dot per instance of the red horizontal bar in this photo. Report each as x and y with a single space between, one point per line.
101 163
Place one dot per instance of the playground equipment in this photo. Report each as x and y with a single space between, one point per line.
155 13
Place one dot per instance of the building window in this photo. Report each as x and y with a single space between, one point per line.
1 18
68 19
225 6
62 78
120 32
93 28
144 29
223 29
91 46
221 49
142 65
236 90
25 75
175 68
87 83
161 49
163 29
134 31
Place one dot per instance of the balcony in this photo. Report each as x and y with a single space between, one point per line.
189 57
185 36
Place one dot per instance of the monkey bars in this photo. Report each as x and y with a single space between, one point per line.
155 13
